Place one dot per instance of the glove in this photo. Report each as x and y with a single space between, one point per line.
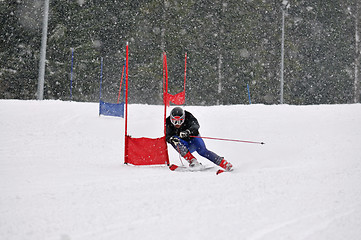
174 140
184 134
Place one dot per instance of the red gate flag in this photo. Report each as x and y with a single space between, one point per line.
147 151
179 98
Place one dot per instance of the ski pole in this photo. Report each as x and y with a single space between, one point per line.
225 139
179 155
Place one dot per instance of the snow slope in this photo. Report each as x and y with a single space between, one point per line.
62 175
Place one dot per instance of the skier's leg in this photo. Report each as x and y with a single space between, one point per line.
183 149
202 150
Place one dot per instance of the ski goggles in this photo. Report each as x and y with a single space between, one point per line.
177 120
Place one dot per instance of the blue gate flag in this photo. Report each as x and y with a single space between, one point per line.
111 109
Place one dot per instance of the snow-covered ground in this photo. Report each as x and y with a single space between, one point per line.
62 175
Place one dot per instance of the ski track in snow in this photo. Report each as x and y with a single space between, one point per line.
63 177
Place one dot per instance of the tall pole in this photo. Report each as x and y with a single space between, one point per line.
71 74
40 92
101 79
282 52
126 106
357 57
219 77
220 57
162 35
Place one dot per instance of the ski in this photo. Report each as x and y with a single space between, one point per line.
219 171
174 167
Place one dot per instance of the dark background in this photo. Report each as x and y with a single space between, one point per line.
235 42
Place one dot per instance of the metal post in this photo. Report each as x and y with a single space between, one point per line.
357 57
220 59
40 92
282 52
285 5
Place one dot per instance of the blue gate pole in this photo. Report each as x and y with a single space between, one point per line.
100 87
71 75
101 78
249 94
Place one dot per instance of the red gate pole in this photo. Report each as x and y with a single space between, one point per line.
126 109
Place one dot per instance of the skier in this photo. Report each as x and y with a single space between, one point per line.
180 127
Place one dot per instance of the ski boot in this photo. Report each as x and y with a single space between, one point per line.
226 165
193 162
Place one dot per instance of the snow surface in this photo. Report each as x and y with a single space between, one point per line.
62 175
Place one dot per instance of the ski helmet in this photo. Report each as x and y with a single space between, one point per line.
177 116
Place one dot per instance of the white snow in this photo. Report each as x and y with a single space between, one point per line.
62 175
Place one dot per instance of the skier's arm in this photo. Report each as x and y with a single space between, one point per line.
193 126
